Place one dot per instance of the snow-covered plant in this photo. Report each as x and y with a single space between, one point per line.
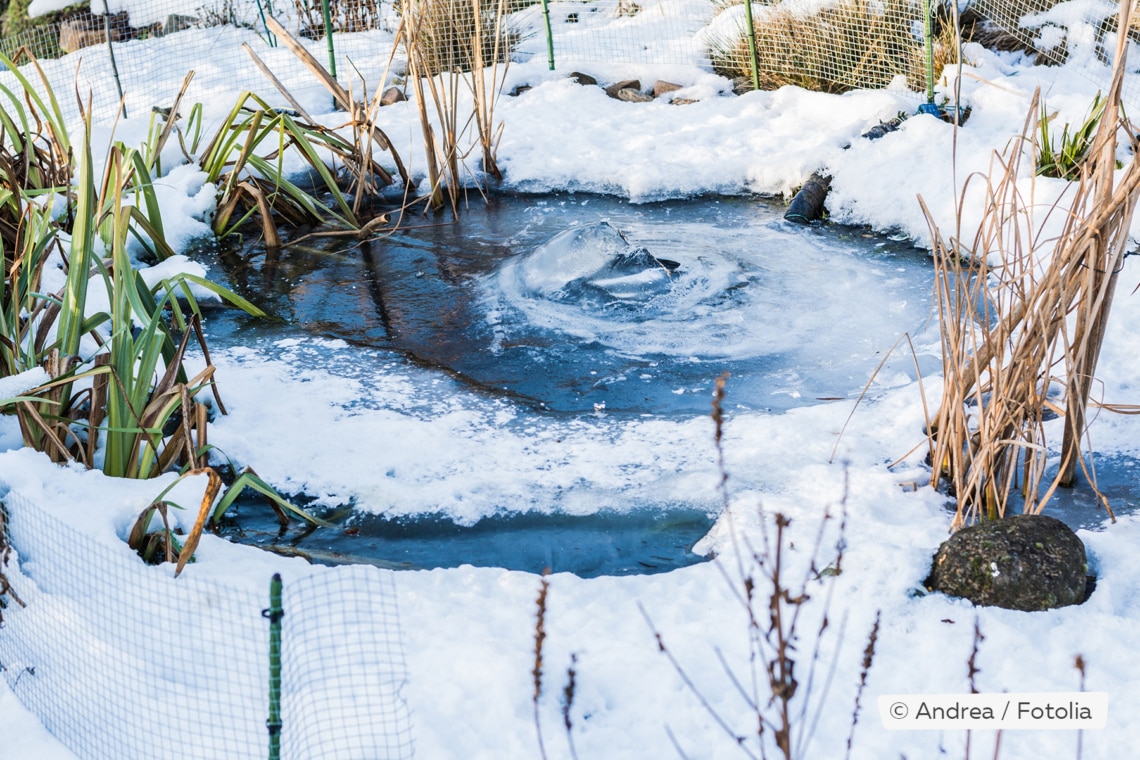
246 160
1063 160
118 395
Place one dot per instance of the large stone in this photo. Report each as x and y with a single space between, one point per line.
1024 562
391 96
176 22
630 95
661 87
625 84
582 79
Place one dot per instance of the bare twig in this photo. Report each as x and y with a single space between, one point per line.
868 658
692 687
539 638
568 703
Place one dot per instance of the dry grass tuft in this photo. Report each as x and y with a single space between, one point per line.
1023 311
852 45
446 32
345 16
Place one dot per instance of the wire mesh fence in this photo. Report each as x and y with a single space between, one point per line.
120 660
832 45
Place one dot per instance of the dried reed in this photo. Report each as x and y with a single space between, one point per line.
1023 313
536 672
451 45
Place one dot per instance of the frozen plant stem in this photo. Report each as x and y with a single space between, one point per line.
539 638
568 703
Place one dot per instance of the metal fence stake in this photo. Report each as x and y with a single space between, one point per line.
269 38
752 44
329 36
549 35
111 52
274 614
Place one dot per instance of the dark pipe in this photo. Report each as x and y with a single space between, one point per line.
807 206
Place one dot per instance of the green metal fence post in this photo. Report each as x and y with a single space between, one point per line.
328 36
269 36
274 614
929 30
929 107
111 52
549 35
752 44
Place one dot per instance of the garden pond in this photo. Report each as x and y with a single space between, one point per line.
570 306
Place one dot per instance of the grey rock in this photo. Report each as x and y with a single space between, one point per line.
583 79
627 84
630 95
741 85
1024 562
392 95
519 90
176 22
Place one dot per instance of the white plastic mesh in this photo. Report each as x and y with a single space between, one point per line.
832 45
121 660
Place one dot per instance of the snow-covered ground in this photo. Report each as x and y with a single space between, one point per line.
469 632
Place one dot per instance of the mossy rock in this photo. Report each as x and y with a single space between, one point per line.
1024 562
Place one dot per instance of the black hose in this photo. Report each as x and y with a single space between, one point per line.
807 206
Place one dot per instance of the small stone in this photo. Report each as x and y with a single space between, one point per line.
1023 562
519 90
741 85
661 87
630 95
683 101
176 22
628 84
583 79
883 128
392 95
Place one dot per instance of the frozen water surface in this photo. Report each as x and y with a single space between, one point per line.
578 303
558 329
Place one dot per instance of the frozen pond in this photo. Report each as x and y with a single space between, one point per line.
574 322
531 297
